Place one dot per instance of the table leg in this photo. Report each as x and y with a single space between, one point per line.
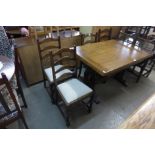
90 79
120 78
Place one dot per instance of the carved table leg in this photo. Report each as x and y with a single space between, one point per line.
120 78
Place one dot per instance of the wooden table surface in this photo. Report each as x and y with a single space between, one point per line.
143 118
110 56
7 67
29 56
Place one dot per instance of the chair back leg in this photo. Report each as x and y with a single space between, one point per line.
141 71
150 70
24 121
22 94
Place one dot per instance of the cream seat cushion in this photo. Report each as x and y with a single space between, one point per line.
72 90
151 34
49 73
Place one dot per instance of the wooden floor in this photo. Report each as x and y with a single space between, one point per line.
143 118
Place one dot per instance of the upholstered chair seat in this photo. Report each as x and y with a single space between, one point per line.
73 90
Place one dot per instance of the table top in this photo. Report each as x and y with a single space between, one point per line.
110 56
143 118
7 67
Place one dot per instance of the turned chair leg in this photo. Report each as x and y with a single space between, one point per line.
67 122
133 68
44 80
22 96
20 90
80 70
153 64
53 94
90 103
141 71
67 118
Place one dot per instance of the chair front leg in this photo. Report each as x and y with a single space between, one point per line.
22 95
150 70
56 97
44 79
67 118
133 69
53 93
24 121
20 90
90 103
141 71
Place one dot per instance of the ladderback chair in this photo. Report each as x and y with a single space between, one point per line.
70 42
86 39
10 109
130 34
45 47
70 89
64 29
145 67
89 38
127 34
104 34
39 31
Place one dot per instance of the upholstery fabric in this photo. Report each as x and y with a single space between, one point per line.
73 90
5 47
49 73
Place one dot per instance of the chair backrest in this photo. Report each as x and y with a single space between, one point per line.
89 38
45 46
8 100
146 44
39 31
48 29
115 32
71 41
104 34
65 57
127 34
